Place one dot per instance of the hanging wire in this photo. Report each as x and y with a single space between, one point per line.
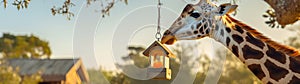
158 34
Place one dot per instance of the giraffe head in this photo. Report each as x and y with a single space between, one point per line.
196 21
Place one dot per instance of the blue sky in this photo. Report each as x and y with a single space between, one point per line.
132 24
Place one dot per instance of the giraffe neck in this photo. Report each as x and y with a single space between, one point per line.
268 60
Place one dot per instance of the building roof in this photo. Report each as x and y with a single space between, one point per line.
48 66
54 69
157 43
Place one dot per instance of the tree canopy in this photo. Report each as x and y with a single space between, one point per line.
234 71
23 46
20 46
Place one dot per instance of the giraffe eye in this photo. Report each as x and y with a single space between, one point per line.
195 15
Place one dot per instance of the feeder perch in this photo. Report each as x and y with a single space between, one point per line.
159 57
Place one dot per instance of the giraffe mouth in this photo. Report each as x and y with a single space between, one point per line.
168 39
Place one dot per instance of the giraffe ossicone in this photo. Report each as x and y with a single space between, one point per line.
270 61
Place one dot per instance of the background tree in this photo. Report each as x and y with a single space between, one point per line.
32 79
96 76
8 75
20 46
283 12
23 46
294 41
234 71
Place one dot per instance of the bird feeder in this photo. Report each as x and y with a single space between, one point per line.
159 57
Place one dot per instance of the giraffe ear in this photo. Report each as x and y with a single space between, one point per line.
226 8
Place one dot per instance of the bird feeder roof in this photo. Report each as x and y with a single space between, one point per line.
157 43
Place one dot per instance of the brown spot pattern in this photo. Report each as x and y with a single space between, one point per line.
235 50
239 29
227 41
222 32
249 53
254 41
279 56
195 32
295 80
187 8
198 25
217 27
228 29
237 38
275 71
294 65
256 69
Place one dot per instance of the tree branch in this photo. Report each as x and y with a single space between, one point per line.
286 11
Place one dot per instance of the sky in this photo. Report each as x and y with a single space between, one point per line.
103 41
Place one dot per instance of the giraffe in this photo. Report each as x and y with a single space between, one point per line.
268 60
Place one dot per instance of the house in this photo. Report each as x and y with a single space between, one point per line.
53 71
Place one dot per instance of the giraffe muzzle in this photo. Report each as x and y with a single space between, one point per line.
168 39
